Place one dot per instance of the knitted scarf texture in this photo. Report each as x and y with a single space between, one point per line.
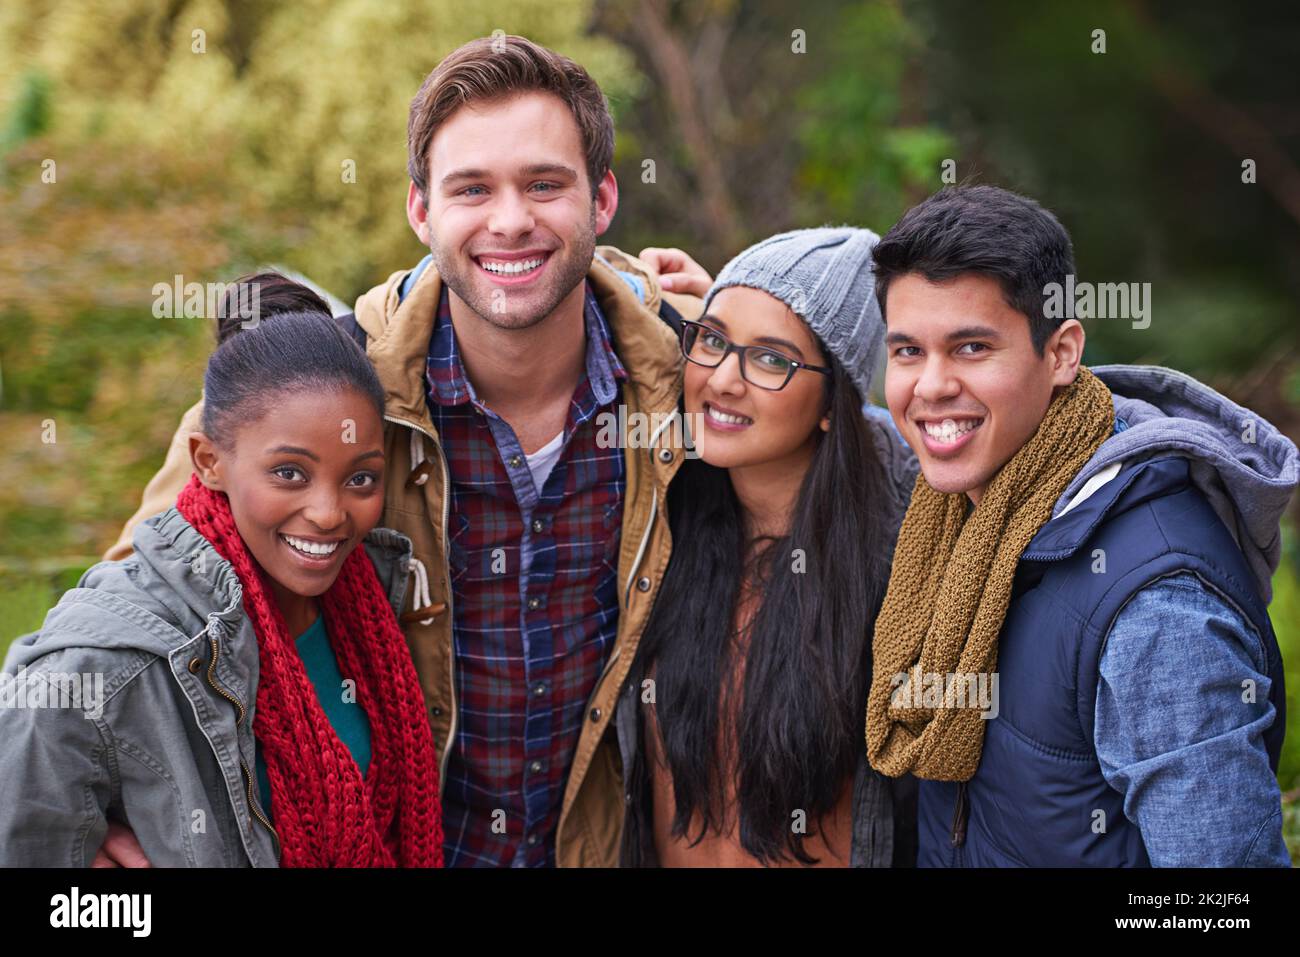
950 587
326 813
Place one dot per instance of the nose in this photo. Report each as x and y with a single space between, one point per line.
511 214
936 382
725 379
325 509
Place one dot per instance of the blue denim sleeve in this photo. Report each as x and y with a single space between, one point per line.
1179 734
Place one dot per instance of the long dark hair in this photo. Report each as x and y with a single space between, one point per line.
807 668
294 345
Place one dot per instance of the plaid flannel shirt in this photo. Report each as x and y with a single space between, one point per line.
535 601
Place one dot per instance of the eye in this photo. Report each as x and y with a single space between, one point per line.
711 340
772 360
550 187
975 346
369 479
291 469
466 190
903 353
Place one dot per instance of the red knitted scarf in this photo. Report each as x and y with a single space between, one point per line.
326 813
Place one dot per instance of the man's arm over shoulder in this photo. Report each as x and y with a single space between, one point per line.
160 494
1179 735
655 296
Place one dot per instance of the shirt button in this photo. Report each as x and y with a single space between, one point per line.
535 767
538 525
516 461
643 584
534 604
539 689
532 840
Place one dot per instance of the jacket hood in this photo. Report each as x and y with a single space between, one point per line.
172 587
1244 466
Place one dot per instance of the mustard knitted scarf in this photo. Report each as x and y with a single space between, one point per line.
950 586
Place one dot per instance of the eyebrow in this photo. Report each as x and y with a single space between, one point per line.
965 332
305 453
763 340
536 169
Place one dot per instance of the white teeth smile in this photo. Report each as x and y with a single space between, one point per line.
511 268
950 430
729 419
315 549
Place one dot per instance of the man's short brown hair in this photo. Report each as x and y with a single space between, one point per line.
493 67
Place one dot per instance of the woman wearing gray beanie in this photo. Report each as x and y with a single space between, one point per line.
748 750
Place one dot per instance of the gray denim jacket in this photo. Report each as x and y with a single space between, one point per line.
160 736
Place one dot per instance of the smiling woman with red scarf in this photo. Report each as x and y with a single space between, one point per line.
246 645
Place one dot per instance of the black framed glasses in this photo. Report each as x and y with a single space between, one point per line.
760 366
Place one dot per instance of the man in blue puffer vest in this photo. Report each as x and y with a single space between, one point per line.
1097 545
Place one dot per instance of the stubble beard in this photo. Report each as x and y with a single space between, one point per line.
567 272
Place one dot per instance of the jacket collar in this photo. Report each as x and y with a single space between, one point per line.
1136 483
192 569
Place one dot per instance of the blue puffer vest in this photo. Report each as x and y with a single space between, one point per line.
1034 795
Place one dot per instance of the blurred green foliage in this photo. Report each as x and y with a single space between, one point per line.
280 96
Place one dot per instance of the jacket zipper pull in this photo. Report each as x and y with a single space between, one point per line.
959 817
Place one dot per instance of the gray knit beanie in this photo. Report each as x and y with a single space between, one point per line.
824 275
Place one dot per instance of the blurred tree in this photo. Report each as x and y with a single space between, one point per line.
304 103
1140 150
759 118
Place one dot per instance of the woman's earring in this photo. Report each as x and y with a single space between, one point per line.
826 423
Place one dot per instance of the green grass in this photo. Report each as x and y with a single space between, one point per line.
1285 612
27 592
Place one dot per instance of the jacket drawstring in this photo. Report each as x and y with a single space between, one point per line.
420 464
420 597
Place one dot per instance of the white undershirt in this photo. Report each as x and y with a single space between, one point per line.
1094 483
543 460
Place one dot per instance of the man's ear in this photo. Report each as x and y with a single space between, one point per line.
417 213
606 202
207 460
1065 351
